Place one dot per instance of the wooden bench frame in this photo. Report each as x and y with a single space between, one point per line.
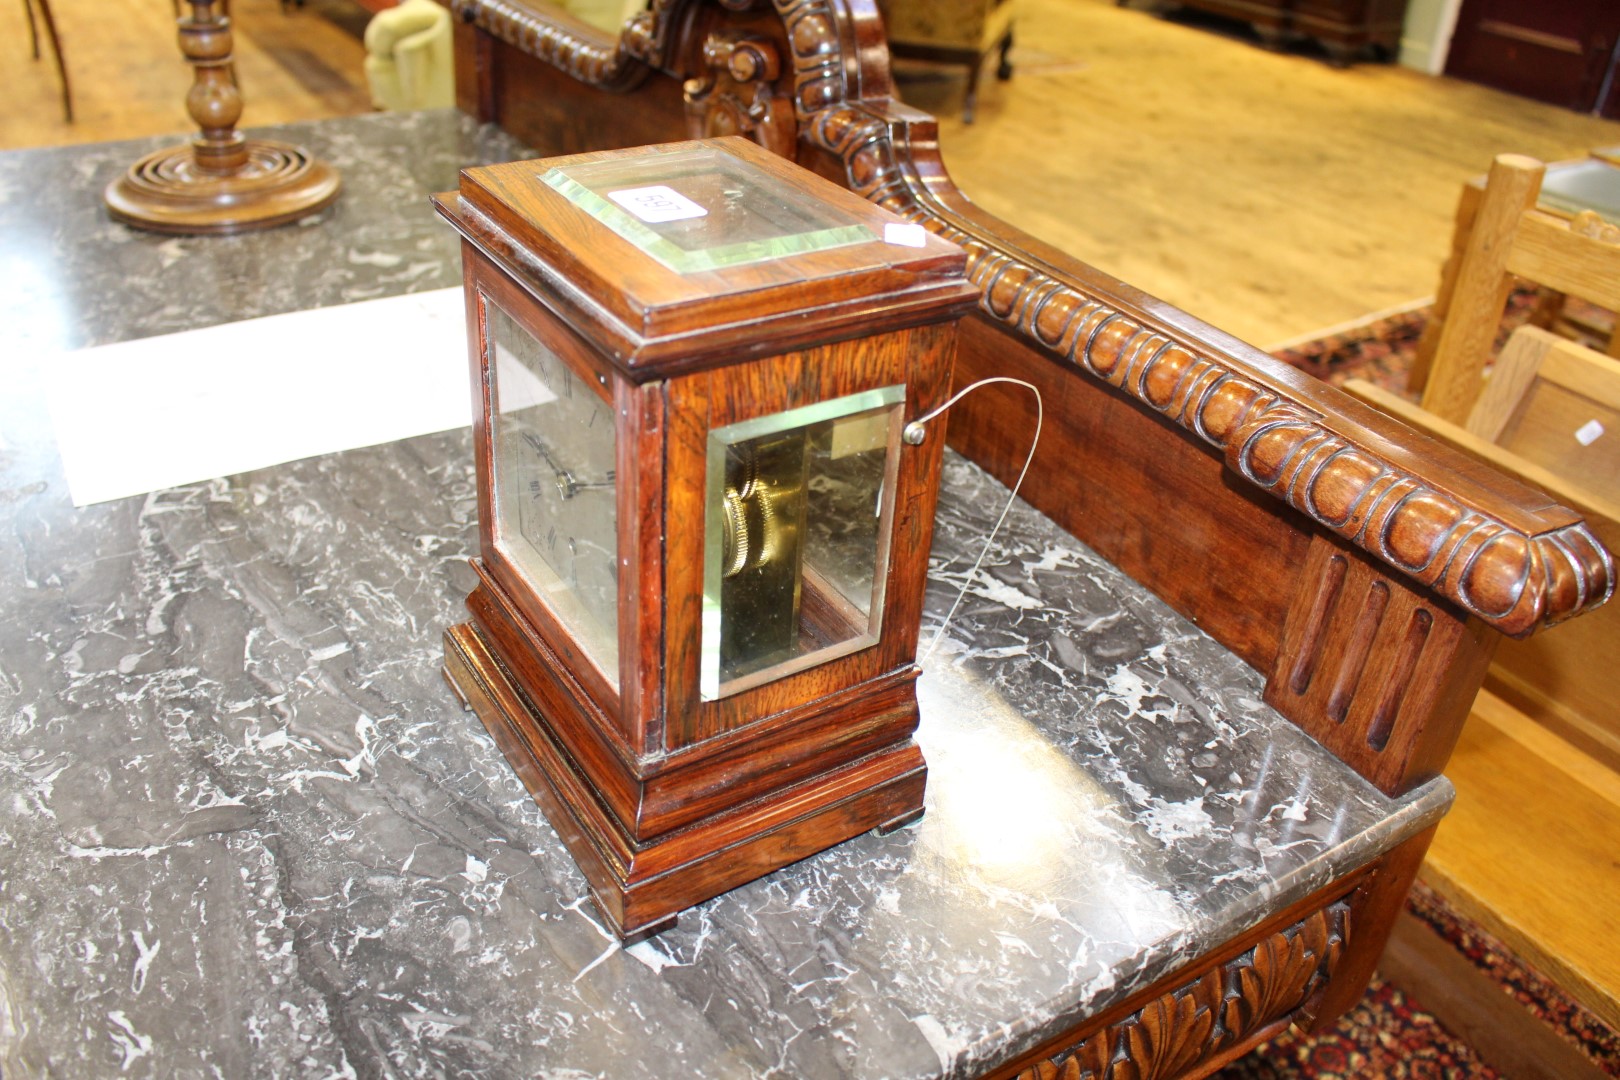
1363 568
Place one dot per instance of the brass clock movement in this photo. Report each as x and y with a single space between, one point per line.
703 539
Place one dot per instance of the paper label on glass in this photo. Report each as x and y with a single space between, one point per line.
657 204
905 234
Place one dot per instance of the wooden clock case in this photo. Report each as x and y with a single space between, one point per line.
666 799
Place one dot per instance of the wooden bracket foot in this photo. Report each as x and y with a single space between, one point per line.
896 824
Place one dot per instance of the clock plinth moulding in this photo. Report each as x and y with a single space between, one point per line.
222 182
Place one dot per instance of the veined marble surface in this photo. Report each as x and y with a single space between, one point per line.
245 829
75 278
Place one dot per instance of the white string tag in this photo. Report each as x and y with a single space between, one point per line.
914 434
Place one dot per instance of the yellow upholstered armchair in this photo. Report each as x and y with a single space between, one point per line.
409 54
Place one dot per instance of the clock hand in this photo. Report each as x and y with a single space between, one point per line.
567 486
575 486
540 448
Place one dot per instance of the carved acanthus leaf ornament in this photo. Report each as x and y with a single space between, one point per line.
1171 1034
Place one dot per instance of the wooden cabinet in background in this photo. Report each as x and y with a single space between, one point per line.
952 32
1345 28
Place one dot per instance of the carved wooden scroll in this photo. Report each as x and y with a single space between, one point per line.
1223 1008
737 94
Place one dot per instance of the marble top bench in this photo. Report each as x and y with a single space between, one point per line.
249 830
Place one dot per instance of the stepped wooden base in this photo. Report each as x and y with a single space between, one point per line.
640 882
168 191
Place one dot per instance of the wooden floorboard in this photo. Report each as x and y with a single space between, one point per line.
1269 194
129 78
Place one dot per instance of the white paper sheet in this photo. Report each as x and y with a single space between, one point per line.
143 415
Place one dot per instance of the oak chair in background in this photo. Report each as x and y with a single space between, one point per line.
1525 418
1549 415
1502 235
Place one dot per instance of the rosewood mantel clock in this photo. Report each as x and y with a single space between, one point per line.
703 537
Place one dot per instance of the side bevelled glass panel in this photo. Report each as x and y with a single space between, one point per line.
555 491
796 538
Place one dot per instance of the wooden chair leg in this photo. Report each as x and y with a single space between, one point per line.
56 46
33 28
970 103
1481 288
1463 224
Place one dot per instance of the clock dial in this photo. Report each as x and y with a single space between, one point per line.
555 494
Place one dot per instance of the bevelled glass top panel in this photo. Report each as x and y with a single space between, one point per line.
695 210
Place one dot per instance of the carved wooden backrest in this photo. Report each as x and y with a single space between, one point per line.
1358 564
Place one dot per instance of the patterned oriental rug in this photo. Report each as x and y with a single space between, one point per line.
1390 1034
1381 349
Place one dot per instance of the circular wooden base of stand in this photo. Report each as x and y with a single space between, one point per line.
169 192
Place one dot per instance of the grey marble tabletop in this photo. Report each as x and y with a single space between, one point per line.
245 829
